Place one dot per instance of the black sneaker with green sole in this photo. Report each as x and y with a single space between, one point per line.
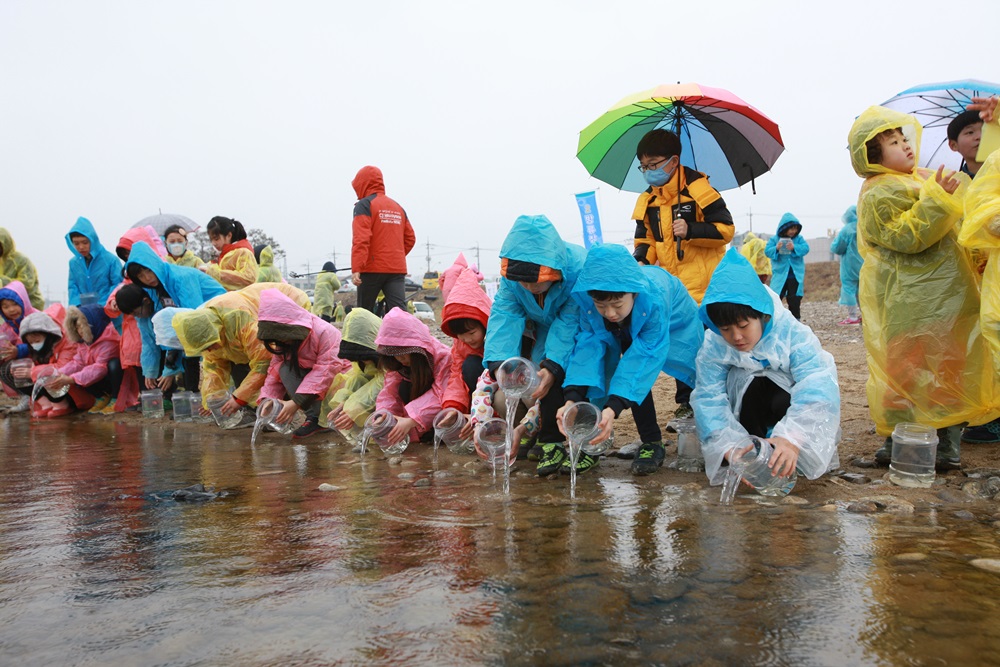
583 464
553 454
649 458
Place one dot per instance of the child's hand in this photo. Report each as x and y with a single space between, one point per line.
468 430
22 373
59 382
986 106
288 410
229 407
607 422
401 430
165 382
545 382
559 417
785 456
680 228
340 419
949 182
7 352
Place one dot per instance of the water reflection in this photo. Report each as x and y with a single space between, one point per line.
429 563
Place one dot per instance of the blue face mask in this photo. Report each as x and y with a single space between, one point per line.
657 177
176 249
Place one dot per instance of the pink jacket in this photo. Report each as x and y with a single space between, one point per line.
17 287
318 352
131 339
63 351
467 300
401 329
90 363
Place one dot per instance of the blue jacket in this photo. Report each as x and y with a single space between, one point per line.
102 275
187 287
846 245
781 264
663 326
788 353
554 324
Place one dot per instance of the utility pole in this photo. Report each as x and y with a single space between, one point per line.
428 255
750 215
478 264
335 255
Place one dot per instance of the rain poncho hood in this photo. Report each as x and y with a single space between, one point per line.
16 266
361 327
872 122
788 353
735 281
782 263
14 291
40 322
753 250
846 245
663 328
267 272
145 234
919 294
534 239
357 389
163 328
368 181
466 300
96 322
449 275
236 268
189 288
103 273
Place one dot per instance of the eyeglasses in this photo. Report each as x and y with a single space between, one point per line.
652 166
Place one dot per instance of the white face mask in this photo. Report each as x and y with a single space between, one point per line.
37 347
176 249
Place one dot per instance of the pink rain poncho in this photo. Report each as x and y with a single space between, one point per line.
466 300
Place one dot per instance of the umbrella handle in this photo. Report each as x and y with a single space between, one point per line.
680 250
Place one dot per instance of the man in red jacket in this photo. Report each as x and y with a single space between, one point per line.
382 239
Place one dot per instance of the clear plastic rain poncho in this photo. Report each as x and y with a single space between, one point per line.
753 250
927 359
15 266
981 231
327 284
163 328
358 388
267 272
788 353
230 320
846 245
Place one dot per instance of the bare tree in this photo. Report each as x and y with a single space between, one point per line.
201 245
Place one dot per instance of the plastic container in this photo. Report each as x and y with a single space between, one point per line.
215 402
689 456
914 449
377 428
447 425
268 409
783 249
182 406
22 363
44 381
752 467
152 403
491 440
88 298
517 378
196 416
582 423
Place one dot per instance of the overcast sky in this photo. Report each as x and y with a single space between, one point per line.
264 111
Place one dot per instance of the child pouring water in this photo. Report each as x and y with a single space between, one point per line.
353 394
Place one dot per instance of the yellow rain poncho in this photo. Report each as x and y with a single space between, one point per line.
981 231
187 259
267 272
327 285
339 313
358 388
919 296
753 250
236 267
230 321
15 266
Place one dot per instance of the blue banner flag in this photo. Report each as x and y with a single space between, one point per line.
587 201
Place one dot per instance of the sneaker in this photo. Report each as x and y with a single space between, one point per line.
553 454
649 458
535 453
883 455
309 428
583 464
949 449
524 448
684 411
629 451
109 409
23 405
99 405
987 434
848 321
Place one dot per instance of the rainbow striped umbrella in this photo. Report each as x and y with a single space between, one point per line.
935 105
721 136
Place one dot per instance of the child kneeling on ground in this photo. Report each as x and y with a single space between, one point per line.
762 373
305 359
94 374
352 395
634 322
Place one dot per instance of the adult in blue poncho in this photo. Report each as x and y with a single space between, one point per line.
787 250
93 269
635 321
534 315
764 374
846 245
168 285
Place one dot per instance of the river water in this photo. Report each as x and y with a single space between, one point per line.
426 562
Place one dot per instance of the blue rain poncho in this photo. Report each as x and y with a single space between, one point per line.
187 287
554 323
846 245
788 353
782 263
665 330
101 276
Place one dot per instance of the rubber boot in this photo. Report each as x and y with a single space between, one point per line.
948 449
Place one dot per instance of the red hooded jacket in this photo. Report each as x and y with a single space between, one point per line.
382 232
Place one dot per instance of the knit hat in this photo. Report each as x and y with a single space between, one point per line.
330 267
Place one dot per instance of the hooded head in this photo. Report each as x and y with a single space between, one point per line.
533 251
466 300
611 268
360 330
280 318
871 123
787 223
197 330
7 247
143 256
850 216
368 182
329 267
735 281
163 330
86 323
39 322
14 291
136 234
84 228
